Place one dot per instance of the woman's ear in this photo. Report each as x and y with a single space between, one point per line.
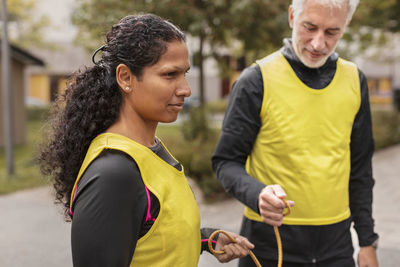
124 77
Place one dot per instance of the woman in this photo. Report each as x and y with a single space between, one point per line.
130 201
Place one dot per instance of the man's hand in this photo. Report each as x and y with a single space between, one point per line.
232 250
367 257
271 205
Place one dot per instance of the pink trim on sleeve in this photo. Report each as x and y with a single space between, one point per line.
148 216
206 240
70 205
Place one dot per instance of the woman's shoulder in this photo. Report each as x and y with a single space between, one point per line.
112 170
112 162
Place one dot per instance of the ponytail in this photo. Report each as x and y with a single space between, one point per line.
88 107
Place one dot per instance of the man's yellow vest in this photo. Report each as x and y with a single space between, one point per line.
304 141
174 239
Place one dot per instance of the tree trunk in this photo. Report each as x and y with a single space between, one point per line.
7 93
201 69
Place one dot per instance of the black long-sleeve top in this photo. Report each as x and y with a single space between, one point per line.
242 123
110 209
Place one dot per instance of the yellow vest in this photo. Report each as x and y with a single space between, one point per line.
174 239
304 141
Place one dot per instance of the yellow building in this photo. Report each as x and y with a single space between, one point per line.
45 84
381 66
380 90
19 60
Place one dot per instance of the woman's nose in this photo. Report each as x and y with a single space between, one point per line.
184 89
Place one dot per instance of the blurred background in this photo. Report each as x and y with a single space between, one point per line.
49 40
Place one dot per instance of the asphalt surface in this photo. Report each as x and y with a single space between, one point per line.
33 232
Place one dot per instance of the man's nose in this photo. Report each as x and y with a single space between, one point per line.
318 41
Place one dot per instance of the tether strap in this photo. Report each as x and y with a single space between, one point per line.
277 235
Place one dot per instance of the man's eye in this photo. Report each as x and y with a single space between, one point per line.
310 29
332 33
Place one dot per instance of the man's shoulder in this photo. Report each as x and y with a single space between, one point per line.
250 72
346 62
254 71
351 67
270 58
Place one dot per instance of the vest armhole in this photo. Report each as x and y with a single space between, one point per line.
262 65
355 77
262 109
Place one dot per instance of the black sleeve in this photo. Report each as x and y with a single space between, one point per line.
108 212
239 130
361 180
205 235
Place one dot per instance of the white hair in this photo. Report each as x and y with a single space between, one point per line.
298 6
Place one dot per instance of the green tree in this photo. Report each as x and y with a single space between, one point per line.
374 24
243 26
260 26
25 26
383 15
249 28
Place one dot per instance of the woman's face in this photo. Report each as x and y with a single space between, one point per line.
158 95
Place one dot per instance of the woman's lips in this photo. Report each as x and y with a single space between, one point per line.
177 106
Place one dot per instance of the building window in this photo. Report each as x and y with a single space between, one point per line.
380 90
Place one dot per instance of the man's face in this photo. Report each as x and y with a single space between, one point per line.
316 31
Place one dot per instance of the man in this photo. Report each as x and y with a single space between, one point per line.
298 125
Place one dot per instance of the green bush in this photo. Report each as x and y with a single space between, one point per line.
201 140
386 128
193 144
196 159
38 113
27 174
218 106
196 124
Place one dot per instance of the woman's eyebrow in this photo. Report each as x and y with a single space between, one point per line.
175 68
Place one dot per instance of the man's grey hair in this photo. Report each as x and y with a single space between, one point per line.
298 6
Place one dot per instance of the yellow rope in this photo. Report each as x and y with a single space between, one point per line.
218 252
277 235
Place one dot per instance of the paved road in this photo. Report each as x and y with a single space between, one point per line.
32 231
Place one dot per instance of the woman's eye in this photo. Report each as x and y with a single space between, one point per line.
170 74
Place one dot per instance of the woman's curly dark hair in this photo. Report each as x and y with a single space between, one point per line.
91 102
